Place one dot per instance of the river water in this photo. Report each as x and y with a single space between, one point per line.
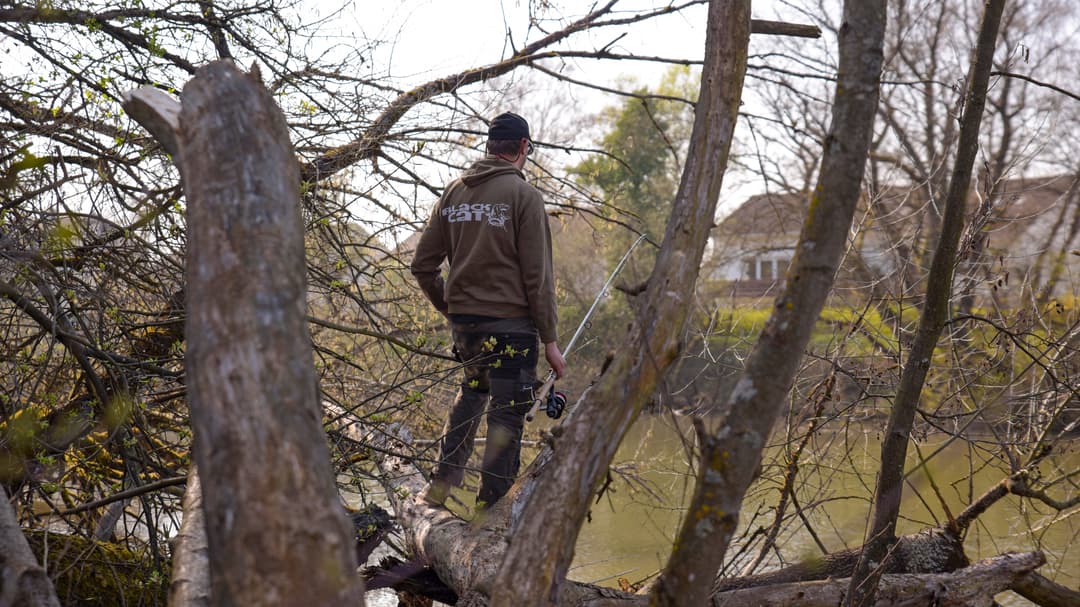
631 530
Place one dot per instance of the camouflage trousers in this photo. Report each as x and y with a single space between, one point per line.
500 357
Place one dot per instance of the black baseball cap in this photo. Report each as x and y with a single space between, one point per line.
508 126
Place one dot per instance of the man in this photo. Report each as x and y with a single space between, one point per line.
499 296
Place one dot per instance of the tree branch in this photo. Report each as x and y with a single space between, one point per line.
368 144
1026 78
127 493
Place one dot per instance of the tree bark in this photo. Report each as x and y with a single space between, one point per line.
731 453
534 570
889 489
23 581
276 530
190 583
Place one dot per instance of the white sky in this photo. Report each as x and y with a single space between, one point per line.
428 39
433 38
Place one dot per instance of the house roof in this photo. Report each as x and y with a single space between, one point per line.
1018 201
766 214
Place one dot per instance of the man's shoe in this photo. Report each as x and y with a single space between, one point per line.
435 493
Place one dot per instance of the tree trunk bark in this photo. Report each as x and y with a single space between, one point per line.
275 526
731 453
889 490
190 583
534 570
23 581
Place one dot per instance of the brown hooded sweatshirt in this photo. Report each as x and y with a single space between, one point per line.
491 227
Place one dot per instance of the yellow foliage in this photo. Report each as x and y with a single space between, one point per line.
20 432
118 410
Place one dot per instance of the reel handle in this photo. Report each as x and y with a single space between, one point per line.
540 395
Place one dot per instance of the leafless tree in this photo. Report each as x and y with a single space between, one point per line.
894 448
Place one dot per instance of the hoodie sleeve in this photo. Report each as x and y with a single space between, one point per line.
537 272
430 253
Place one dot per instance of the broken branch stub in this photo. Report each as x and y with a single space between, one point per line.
158 113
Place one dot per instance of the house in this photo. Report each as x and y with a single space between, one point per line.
1020 235
753 246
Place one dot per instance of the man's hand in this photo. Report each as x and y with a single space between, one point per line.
555 359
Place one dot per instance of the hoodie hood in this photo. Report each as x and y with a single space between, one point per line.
488 167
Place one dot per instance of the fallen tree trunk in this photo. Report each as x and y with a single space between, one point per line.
973 586
465 555
1042 591
929 551
936 550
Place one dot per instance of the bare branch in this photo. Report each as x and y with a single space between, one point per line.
1026 78
126 494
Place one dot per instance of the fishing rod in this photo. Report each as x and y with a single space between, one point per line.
541 395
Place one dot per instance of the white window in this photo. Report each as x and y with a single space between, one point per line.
764 268
749 269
